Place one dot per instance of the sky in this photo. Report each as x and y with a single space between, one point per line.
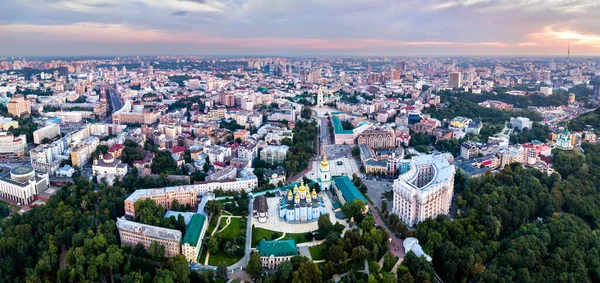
299 27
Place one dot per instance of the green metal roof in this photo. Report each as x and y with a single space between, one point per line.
192 233
337 126
348 189
277 248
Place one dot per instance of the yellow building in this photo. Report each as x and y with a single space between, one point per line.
18 106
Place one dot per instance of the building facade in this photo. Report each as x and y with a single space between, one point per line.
273 253
133 233
51 131
424 189
11 146
18 106
192 240
274 154
163 197
301 205
378 138
22 184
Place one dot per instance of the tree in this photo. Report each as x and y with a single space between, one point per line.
384 206
324 224
222 271
149 212
336 254
254 267
213 244
284 270
213 207
353 209
360 253
367 223
374 267
355 151
165 276
156 250
310 272
133 277
230 248
297 261
179 265
389 260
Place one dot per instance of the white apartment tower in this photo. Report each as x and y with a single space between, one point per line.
455 79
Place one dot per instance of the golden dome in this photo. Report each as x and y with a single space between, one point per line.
352 219
324 163
290 193
296 188
314 193
297 196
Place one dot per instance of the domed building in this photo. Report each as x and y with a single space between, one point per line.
301 205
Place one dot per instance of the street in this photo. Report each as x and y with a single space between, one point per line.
115 102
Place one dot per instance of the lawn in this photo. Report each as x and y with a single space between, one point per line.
3 203
217 258
233 229
212 225
260 234
316 252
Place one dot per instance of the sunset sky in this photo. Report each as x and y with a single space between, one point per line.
300 27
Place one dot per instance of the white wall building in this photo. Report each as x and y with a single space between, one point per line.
424 189
22 184
51 131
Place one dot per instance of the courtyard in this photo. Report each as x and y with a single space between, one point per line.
277 224
344 166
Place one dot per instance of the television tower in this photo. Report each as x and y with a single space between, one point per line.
569 50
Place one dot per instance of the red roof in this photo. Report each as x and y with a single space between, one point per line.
116 147
178 149
220 164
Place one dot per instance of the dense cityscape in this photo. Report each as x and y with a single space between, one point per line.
299 169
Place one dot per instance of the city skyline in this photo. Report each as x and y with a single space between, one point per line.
268 27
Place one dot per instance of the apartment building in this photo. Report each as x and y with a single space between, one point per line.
133 233
48 132
18 106
274 154
11 146
163 197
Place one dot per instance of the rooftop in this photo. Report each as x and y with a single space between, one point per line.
337 126
192 234
348 189
277 248
148 230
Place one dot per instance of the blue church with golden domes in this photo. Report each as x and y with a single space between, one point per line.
301 205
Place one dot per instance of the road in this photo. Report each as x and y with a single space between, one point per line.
244 261
324 136
397 247
115 102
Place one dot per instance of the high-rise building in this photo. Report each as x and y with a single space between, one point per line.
424 189
455 79
18 106
596 91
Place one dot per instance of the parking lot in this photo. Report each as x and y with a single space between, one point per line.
376 188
